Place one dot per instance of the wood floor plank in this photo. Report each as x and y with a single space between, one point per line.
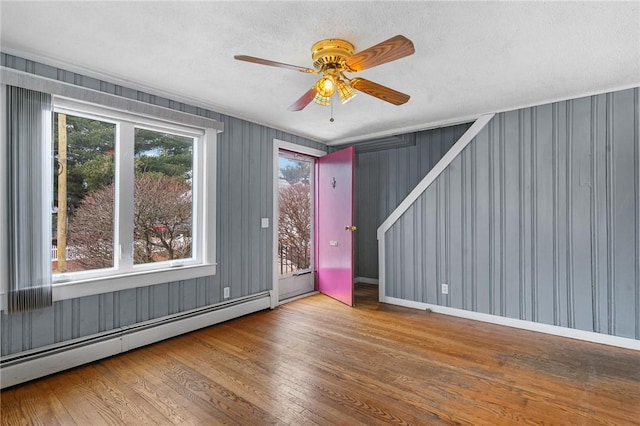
80 400
43 407
247 378
145 384
315 361
10 413
168 392
124 388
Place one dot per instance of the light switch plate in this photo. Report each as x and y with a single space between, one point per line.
264 222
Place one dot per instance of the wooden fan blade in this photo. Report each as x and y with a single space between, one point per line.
389 50
379 91
304 100
273 63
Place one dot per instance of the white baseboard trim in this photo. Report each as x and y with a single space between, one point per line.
555 330
44 362
366 280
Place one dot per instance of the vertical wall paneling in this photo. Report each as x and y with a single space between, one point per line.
464 273
533 217
438 240
75 319
429 256
474 228
502 217
244 250
234 199
453 234
522 266
128 310
539 216
266 201
492 240
510 206
245 212
484 266
555 208
42 328
27 340
623 213
610 200
460 272
202 287
417 252
545 216
580 192
595 272
406 256
569 196
11 333
636 138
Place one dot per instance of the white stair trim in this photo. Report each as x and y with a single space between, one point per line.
440 166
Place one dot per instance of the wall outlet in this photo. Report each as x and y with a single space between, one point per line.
226 292
445 288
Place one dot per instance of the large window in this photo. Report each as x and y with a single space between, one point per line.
129 196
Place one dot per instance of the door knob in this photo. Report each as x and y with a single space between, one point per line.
350 228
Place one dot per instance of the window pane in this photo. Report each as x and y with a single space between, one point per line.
83 194
294 227
163 208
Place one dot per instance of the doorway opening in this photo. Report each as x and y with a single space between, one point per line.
295 245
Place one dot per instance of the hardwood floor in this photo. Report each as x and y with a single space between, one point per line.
315 361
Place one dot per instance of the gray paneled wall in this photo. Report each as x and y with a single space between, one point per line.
537 219
244 249
384 178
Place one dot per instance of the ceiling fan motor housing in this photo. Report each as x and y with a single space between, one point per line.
331 53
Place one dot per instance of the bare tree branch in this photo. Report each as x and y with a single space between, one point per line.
162 222
294 230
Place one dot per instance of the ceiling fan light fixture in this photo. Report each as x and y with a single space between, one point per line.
345 92
322 100
326 86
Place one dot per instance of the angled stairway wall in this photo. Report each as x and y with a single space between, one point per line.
536 223
384 177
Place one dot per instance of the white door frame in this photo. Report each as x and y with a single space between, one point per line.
277 146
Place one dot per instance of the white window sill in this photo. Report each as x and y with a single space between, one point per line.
89 287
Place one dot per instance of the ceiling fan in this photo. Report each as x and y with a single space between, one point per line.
333 58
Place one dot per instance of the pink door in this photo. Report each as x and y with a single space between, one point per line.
334 225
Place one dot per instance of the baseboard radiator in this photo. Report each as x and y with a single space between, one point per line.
29 365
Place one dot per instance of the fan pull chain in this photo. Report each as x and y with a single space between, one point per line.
331 120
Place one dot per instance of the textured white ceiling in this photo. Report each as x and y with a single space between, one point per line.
471 57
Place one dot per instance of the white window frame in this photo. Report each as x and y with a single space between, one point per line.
124 274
